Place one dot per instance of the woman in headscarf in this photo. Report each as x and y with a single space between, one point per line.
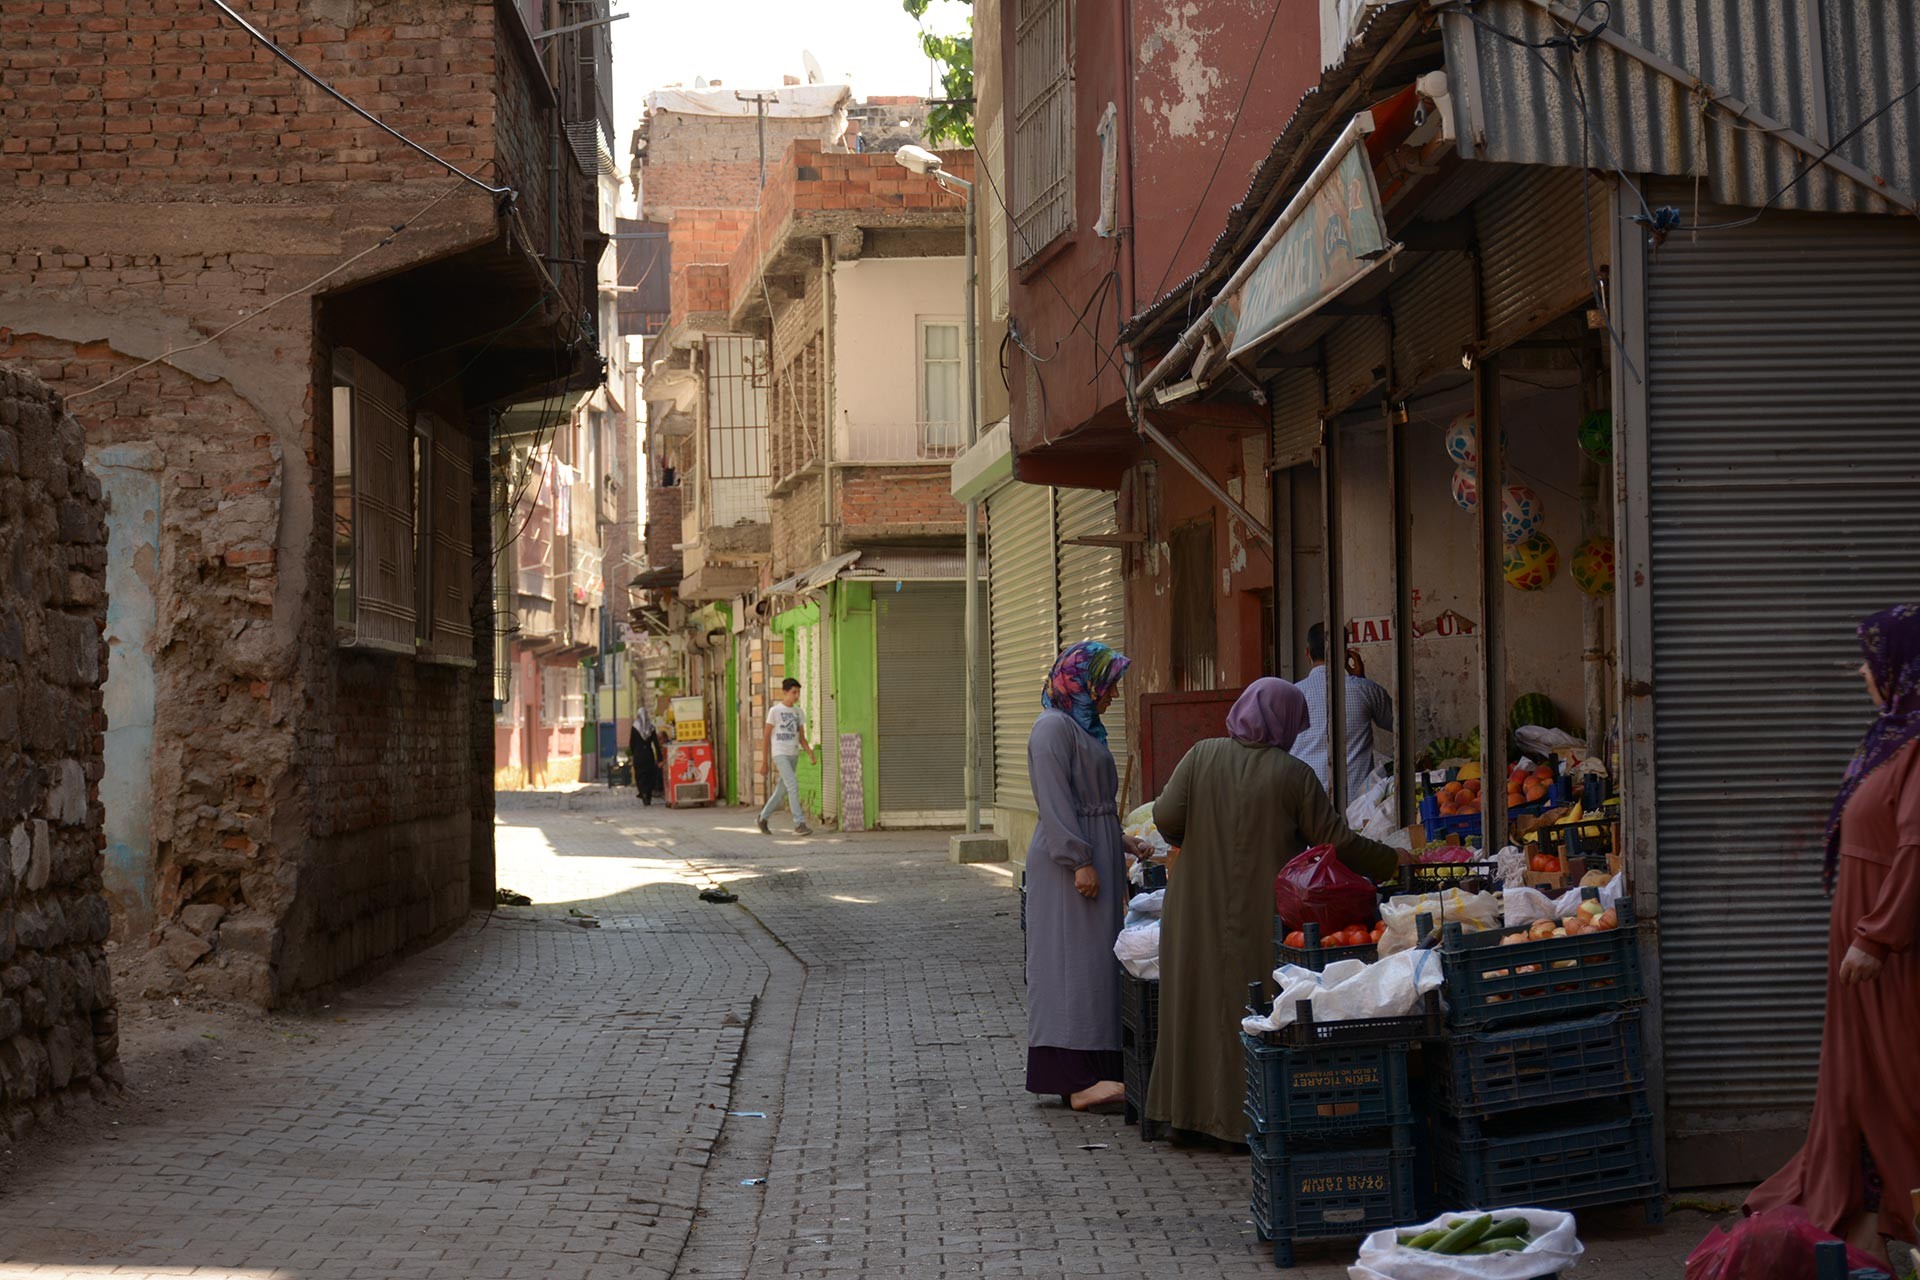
646 751
1076 886
1862 1153
1240 808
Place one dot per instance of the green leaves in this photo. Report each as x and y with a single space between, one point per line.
952 120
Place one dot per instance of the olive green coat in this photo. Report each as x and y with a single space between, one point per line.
1239 814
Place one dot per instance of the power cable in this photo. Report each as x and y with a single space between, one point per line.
1220 159
350 104
255 314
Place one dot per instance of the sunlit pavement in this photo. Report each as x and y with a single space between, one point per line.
548 1094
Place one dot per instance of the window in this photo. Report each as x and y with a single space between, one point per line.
562 696
1042 125
402 521
943 389
738 460
1193 601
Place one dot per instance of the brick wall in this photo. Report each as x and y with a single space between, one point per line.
878 503
797 540
713 162
698 288
663 525
58 1025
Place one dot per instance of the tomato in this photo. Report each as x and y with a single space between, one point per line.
1357 935
1379 931
1296 939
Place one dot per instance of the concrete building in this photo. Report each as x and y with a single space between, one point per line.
288 336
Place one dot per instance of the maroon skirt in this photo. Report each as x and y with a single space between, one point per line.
1068 1071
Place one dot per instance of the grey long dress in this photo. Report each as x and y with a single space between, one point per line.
1073 980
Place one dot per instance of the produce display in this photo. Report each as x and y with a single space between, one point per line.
1481 1235
1353 935
1592 917
1548 864
1526 786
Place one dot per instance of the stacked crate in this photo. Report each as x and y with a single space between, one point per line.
1539 1093
1139 1037
1332 1127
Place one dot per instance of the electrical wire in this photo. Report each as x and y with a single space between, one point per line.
1220 159
350 104
392 234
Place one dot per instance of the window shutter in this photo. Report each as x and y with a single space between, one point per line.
1042 126
993 156
383 550
450 608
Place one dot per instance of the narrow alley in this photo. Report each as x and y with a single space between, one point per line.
535 1097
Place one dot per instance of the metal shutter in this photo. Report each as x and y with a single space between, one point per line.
1022 625
1356 360
923 700
1534 239
1093 592
1432 319
1784 464
1295 397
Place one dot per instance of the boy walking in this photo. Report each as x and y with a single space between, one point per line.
781 743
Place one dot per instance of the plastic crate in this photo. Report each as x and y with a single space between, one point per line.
1139 1037
1570 978
1306 1032
1153 876
1467 825
1312 956
1563 1167
1311 1093
1330 1195
1438 877
1486 1073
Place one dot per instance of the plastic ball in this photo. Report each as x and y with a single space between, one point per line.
1521 513
1530 563
1463 440
1466 493
1596 435
1593 566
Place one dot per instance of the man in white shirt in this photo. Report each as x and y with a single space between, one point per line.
781 743
1367 705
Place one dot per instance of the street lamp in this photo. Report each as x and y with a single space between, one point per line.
927 164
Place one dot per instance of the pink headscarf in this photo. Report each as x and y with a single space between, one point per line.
1271 713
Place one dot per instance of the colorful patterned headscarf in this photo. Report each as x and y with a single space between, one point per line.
1890 640
1080 676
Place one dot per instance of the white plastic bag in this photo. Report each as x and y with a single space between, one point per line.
1555 1248
1140 826
1144 906
1474 912
1351 989
1374 812
1138 949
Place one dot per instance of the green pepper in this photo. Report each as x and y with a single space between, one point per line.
1466 1234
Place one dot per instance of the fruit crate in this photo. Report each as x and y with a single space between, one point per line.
1438 877
1467 825
1306 1032
1315 1093
1487 1073
1562 1167
1568 977
1330 1195
1314 956
1139 1037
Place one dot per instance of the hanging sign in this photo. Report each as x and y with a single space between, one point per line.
1334 233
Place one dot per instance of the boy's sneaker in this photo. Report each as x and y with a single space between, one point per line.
761 823
803 830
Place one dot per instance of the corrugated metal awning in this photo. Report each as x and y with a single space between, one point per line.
914 564
1742 95
818 576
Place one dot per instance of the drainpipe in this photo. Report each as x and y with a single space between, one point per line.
828 541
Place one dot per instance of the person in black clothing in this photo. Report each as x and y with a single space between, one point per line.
645 749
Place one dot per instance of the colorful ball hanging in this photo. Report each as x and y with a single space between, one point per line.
1593 566
1466 492
1463 440
1596 435
1530 563
1521 513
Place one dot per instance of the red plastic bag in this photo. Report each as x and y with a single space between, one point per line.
1317 888
1775 1245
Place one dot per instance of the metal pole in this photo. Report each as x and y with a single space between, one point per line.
1490 485
1334 568
972 629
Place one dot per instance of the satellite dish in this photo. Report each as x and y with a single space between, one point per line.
699 82
814 74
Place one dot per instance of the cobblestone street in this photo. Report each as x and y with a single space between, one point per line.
534 1098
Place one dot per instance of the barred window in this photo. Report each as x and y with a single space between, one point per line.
1042 126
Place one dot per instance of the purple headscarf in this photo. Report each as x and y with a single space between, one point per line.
1271 713
1890 640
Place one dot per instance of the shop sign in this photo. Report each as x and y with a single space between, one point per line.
1448 626
1336 234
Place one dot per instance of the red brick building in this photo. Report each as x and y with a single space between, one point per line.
288 335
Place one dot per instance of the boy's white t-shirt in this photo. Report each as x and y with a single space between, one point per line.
787 723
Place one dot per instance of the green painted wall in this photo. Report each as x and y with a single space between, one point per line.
856 682
730 712
799 632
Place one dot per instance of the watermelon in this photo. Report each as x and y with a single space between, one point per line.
1533 708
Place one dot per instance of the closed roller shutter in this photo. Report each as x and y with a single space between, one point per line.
1534 241
1784 465
1021 594
923 701
1295 398
1433 319
1356 360
1093 592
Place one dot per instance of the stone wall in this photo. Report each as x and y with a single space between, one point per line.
58 1025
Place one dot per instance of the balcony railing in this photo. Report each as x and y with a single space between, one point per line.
905 442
